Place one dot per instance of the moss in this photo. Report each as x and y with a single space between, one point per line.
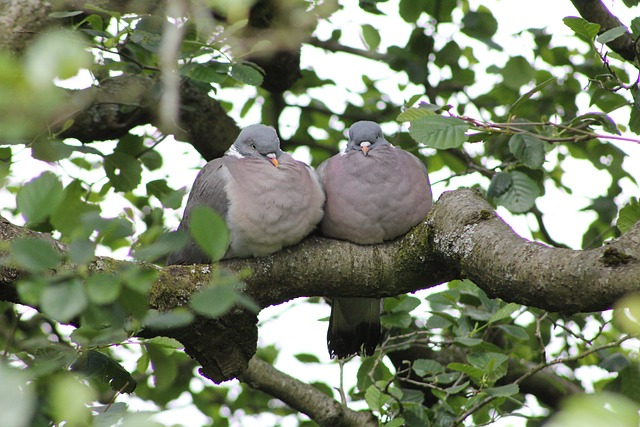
175 285
612 257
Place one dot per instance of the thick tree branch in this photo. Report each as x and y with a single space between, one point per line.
303 397
595 11
461 237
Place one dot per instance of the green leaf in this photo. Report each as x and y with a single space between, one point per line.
500 184
176 318
516 331
103 288
517 72
214 301
371 36
582 28
424 367
164 245
64 301
247 73
629 215
67 217
467 341
211 72
40 197
375 398
527 148
124 170
35 255
50 150
414 113
65 14
504 312
601 119
307 358
635 27
503 391
18 396
410 10
400 319
599 409
524 97
612 34
99 366
521 194
209 231
439 132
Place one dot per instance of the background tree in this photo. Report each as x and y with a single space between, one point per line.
90 314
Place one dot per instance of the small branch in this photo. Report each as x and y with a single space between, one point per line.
334 46
595 11
303 397
537 369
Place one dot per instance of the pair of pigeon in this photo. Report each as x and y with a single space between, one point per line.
367 194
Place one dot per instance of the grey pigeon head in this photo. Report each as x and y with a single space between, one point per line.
258 141
365 136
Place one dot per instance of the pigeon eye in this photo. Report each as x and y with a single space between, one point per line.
253 147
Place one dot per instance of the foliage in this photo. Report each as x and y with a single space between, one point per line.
513 125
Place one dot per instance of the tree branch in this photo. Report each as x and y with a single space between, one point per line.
303 397
461 237
595 11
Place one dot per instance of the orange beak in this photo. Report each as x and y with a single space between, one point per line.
273 159
365 147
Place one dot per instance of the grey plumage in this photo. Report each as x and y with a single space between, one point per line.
268 199
375 192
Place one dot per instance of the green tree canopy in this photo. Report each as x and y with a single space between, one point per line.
107 108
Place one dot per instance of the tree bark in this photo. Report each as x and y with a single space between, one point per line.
462 237
303 397
595 11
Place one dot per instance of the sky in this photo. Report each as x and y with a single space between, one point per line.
295 328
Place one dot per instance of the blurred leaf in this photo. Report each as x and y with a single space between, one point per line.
67 216
211 72
307 358
176 318
124 171
64 301
165 244
35 255
503 391
528 148
629 215
69 399
371 36
209 231
517 72
247 73
500 184
58 53
596 410
504 312
526 96
375 398
520 196
424 367
103 288
97 365
214 301
439 132
17 396
40 197
413 113
410 10
612 34
584 29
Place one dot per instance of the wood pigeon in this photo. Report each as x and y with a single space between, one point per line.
268 199
375 192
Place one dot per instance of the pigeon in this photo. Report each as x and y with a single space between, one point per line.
374 192
268 199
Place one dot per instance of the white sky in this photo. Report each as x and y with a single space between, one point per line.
295 328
